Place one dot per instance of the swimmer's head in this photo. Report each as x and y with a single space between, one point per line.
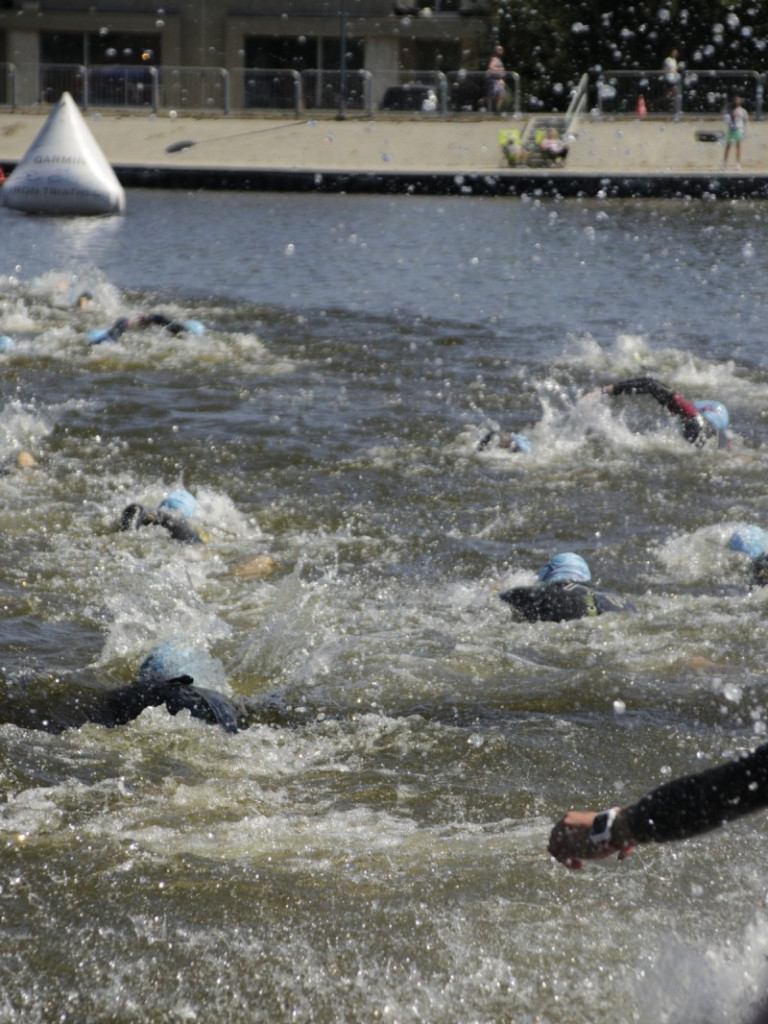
180 501
178 657
714 413
519 443
749 540
565 566
84 299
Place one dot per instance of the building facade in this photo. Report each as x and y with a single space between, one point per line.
389 39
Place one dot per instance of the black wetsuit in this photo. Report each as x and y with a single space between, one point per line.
119 327
696 430
58 710
760 570
565 599
697 803
136 516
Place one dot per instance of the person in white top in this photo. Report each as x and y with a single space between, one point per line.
671 71
736 121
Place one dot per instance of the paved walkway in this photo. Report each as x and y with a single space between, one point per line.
383 148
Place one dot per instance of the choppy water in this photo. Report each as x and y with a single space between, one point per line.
387 860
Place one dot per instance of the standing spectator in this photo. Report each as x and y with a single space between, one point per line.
736 121
671 70
496 72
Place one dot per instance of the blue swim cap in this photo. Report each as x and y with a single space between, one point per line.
565 566
520 443
179 657
714 413
6 343
750 540
180 501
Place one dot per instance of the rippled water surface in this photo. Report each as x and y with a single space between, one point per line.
382 856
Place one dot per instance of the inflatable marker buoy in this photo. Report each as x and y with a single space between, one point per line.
64 171
641 109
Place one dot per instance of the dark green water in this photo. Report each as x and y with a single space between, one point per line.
385 860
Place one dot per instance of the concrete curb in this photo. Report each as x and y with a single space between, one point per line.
549 184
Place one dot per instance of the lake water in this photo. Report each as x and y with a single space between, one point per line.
385 860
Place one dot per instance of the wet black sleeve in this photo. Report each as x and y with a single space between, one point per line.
178 527
155 320
645 386
697 803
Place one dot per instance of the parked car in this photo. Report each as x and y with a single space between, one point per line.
411 96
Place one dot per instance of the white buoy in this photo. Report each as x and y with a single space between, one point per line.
64 171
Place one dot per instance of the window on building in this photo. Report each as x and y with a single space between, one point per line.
300 53
431 55
272 61
100 48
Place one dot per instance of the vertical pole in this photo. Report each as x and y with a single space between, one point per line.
343 62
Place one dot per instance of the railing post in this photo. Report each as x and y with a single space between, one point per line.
298 97
155 90
442 92
516 103
225 90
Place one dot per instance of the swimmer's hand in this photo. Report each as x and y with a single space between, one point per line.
596 393
571 845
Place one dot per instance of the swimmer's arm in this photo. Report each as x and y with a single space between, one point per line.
698 803
662 393
641 386
676 810
160 320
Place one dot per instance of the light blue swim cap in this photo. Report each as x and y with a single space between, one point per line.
565 566
750 540
714 413
520 443
7 343
179 657
180 501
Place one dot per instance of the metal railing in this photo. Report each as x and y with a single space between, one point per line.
334 90
468 91
193 89
266 89
688 92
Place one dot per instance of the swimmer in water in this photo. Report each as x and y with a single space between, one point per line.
165 677
563 592
701 421
172 515
178 675
753 542
506 440
124 323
